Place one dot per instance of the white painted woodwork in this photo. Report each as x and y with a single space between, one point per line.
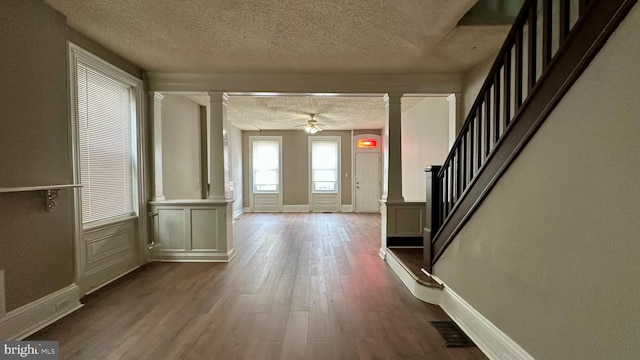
441 83
217 114
260 201
193 230
108 252
26 320
367 182
156 124
456 117
322 201
393 148
405 219
428 294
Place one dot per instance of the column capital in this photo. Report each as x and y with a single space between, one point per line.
218 96
157 97
392 97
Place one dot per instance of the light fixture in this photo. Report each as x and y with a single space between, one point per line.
312 126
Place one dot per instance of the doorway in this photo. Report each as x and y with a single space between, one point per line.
367 173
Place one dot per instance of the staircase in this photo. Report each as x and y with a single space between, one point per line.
548 47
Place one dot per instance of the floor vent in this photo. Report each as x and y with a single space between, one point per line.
452 335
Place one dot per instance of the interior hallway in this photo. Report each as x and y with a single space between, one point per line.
301 286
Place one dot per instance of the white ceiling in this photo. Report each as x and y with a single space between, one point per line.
289 37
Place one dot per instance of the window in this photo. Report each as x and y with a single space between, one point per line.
266 166
105 115
324 166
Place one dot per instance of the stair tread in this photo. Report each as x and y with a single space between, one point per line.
411 259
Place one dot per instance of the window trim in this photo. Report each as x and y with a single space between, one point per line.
338 141
78 54
280 170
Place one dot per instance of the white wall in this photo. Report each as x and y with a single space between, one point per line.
472 82
180 148
425 141
552 256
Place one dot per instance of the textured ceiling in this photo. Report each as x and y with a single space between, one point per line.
287 112
290 37
286 36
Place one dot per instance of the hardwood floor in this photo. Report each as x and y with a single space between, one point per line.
303 286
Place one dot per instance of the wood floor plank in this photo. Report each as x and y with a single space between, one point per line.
302 286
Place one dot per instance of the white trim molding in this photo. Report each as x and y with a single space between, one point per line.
347 208
295 208
488 337
26 320
425 293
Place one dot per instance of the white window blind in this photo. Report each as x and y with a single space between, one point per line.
105 120
266 166
324 166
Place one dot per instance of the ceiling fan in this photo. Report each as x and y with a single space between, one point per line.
312 125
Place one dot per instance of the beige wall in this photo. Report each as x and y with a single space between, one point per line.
36 247
552 256
472 82
295 164
180 148
425 141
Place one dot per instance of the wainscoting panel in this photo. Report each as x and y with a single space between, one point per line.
109 252
193 230
405 219
203 224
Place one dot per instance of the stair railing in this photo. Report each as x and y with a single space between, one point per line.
550 44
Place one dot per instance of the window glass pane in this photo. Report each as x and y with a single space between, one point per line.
324 175
105 139
266 165
324 165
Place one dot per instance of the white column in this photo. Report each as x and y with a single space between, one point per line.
456 119
156 123
218 114
393 148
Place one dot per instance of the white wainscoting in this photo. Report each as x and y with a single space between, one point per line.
26 320
405 219
108 252
266 203
325 203
193 231
295 208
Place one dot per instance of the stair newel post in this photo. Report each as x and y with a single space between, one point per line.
432 214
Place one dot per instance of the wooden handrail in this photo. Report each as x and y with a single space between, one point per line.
515 99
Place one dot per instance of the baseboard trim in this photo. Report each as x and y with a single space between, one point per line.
295 208
347 208
193 256
26 320
488 337
427 294
238 212
382 253
89 291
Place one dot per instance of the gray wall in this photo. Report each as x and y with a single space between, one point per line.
472 82
295 164
36 247
552 255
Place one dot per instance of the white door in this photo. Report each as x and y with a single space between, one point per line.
367 182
